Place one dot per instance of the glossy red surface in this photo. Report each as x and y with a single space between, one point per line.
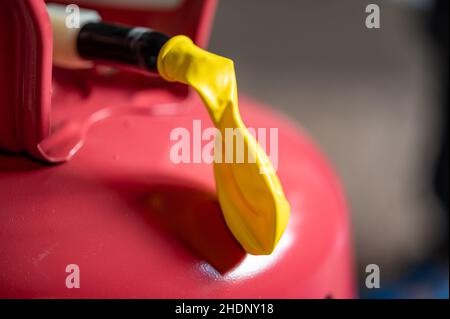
140 226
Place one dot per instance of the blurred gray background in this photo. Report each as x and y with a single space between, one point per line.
366 96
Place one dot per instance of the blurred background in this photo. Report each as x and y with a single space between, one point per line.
375 100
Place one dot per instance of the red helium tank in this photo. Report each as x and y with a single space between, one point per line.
86 179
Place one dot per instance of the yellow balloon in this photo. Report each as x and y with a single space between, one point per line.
250 195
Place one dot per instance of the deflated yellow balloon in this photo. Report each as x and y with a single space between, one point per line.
250 194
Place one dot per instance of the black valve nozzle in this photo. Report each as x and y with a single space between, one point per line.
131 46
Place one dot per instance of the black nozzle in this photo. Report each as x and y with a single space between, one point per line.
119 44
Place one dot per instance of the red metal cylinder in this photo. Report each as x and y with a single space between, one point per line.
136 224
